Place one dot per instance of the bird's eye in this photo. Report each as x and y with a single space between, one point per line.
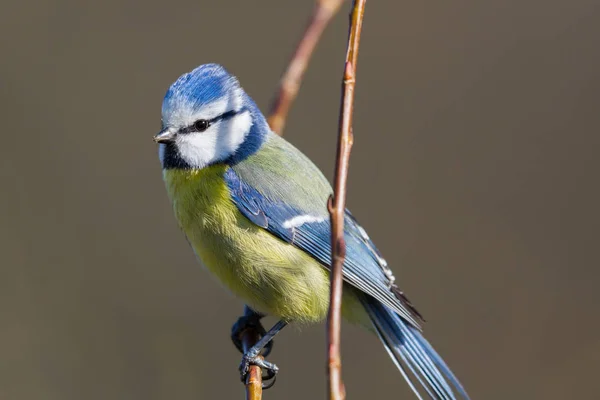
201 125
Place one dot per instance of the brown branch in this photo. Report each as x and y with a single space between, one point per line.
290 82
254 379
337 204
323 12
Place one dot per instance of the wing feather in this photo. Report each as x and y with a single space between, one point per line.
364 267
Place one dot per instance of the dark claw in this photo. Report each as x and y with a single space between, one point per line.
251 320
269 368
270 381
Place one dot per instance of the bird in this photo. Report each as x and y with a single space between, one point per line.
254 210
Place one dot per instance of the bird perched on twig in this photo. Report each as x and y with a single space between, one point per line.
254 209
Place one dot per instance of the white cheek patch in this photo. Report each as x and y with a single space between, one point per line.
234 132
301 220
197 149
217 143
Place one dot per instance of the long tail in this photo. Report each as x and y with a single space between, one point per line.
413 355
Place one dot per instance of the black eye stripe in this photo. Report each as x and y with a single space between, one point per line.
224 116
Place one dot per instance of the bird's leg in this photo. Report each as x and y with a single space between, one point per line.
250 320
252 356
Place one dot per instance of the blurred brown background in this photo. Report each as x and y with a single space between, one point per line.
475 170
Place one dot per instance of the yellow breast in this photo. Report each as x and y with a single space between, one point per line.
268 274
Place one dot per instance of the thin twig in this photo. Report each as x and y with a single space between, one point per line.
337 204
290 82
254 379
322 14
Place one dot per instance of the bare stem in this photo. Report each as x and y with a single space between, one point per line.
337 204
254 378
322 14
290 82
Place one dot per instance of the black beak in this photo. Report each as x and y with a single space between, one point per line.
165 136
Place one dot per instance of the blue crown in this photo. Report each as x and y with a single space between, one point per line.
205 84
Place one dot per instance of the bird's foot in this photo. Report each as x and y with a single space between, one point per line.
256 354
251 358
249 321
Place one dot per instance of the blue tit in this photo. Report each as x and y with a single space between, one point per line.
254 210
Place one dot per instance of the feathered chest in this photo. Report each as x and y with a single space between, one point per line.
201 199
249 260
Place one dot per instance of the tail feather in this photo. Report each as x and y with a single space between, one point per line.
413 355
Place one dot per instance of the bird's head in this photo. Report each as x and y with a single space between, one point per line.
207 118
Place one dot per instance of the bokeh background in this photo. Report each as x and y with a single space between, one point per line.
475 170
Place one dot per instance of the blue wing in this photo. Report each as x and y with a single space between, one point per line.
364 267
